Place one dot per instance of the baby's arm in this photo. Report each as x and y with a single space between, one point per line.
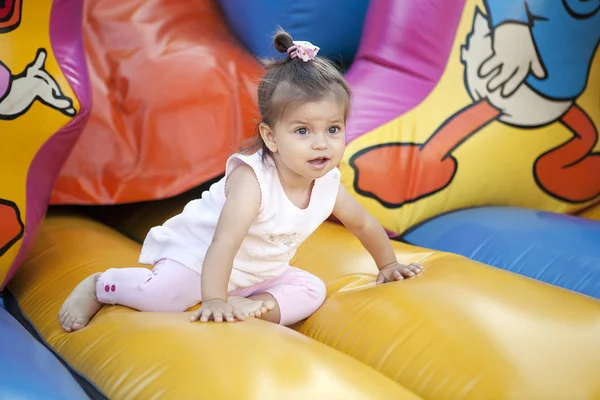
365 227
239 212
373 237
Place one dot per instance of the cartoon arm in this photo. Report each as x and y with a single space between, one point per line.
515 54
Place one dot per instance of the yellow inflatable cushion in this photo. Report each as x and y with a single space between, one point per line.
133 355
462 330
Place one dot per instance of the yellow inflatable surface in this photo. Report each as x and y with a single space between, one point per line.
512 121
462 330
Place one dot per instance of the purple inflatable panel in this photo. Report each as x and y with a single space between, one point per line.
402 54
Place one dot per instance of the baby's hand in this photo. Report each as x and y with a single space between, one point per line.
217 309
397 272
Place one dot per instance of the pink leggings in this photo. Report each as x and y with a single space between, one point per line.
173 287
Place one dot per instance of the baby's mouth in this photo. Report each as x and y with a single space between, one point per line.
318 162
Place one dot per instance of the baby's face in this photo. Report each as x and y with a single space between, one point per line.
311 137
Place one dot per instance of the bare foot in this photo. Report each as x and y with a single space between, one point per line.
249 307
81 305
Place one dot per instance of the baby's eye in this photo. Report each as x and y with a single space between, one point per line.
334 129
302 131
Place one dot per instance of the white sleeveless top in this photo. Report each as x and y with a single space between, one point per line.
272 240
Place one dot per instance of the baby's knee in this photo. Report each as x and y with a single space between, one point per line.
317 289
301 298
312 286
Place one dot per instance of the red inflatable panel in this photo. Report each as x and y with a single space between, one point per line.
172 99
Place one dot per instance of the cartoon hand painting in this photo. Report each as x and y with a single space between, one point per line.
19 92
12 226
522 67
509 71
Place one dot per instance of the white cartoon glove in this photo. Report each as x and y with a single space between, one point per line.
35 83
514 57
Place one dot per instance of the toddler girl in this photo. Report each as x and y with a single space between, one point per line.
231 249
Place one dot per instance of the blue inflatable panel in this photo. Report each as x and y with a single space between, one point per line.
333 25
559 249
29 371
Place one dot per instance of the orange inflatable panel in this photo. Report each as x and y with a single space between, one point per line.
173 98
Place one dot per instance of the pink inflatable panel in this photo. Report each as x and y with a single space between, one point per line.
402 54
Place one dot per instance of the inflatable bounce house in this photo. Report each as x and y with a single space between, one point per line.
473 138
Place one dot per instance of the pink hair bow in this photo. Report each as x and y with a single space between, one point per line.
303 50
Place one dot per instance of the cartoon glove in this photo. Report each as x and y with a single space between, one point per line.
514 58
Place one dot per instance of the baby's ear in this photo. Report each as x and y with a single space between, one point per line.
267 135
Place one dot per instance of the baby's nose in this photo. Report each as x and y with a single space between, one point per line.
319 142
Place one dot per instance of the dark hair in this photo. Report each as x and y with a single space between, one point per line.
292 80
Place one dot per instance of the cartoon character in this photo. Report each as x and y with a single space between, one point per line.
523 68
17 95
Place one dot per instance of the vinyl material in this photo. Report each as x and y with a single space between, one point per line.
29 371
435 127
335 26
462 330
559 249
173 98
44 105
